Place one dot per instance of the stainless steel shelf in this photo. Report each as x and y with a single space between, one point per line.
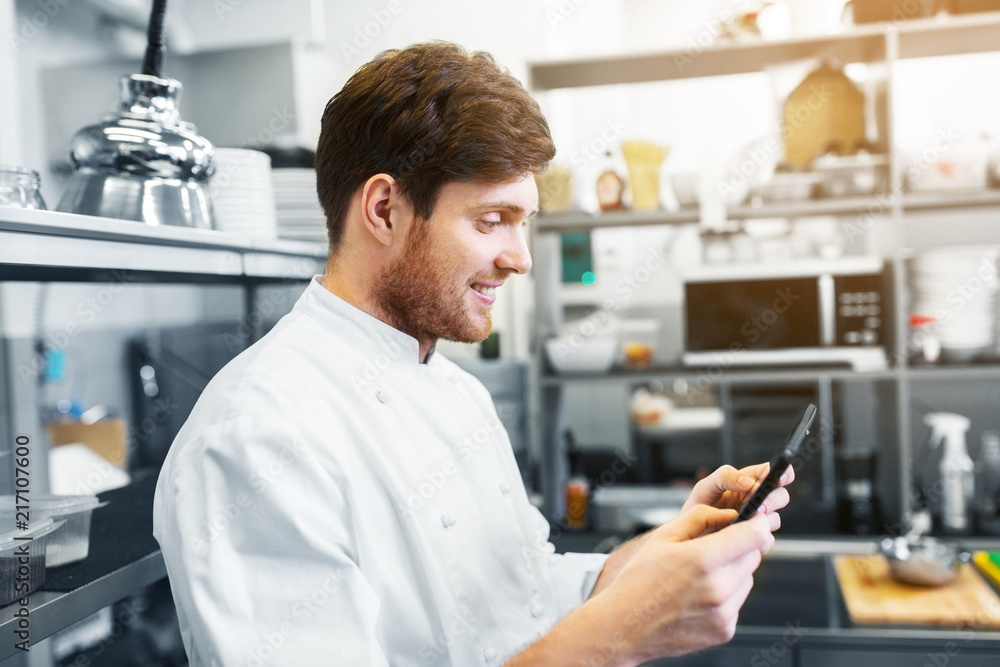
948 35
936 201
866 44
873 205
713 376
51 611
845 206
64 245
558 222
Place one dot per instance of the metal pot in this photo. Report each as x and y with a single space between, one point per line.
923 562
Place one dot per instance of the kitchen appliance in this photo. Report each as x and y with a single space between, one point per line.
804 312
858 508
143 162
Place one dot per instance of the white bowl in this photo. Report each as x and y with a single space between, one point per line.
577 354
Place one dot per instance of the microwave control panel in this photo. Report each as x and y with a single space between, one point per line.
861 313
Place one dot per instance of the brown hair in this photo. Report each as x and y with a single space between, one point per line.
426 115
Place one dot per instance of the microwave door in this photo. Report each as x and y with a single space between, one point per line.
738 315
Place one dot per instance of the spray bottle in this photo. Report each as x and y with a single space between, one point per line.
957 469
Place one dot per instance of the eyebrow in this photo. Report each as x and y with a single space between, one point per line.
506 206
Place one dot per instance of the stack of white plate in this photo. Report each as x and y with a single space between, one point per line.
299 213
958 286
242 193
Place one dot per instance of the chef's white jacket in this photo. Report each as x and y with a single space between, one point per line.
332 501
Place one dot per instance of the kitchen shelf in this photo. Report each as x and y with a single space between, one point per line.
51 611
938 201
866 44
557 222
948 35
49 245
882 44
711 376
812 208
840 206
954 372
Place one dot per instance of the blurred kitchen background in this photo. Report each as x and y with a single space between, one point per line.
755 205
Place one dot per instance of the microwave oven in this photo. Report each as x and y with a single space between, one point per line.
814 312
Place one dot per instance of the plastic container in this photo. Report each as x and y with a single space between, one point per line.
72 542
14 572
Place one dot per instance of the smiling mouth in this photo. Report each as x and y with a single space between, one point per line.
485 291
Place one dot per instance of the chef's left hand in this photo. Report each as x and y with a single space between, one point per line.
727 487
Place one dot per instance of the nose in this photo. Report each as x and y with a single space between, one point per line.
515 256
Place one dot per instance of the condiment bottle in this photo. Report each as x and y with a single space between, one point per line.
577 489
610 186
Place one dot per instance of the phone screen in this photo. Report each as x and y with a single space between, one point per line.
779 464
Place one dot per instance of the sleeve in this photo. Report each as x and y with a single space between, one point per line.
571 575
259 548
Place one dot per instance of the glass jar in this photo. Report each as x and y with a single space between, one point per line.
20 188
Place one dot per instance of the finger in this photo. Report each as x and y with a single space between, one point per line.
787 477
775 500
728 478
735 579
695 522
774 521
735 540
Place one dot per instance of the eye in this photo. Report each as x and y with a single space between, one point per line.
490 223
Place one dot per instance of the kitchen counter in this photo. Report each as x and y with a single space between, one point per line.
796 615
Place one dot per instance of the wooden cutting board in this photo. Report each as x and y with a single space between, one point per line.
873 596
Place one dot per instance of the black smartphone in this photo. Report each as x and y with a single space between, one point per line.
779 464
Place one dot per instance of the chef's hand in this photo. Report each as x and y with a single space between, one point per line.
680 591
684 589
727 487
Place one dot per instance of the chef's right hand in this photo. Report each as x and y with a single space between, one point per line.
682 591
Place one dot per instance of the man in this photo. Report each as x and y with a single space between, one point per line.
343 495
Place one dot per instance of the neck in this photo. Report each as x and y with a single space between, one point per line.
346 286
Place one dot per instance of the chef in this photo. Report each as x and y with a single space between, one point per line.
342 494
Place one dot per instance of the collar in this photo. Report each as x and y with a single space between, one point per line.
360 327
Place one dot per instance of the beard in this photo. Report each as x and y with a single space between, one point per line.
422 293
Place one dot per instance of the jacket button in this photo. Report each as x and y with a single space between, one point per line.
504 488
536 609
383 395
490 654
448 520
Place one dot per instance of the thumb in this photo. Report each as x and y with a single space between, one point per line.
695 522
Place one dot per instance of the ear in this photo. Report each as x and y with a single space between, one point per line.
382 207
